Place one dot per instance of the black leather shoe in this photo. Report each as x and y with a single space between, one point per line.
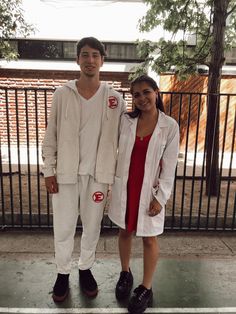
61 288
140 300
87 283
124 285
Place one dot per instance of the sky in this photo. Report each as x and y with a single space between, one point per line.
74 19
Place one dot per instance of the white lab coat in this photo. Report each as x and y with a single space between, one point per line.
163 145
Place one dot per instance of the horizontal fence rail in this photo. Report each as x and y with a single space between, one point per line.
25 203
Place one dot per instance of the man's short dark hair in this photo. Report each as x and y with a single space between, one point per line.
92 42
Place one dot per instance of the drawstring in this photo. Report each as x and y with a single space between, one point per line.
107 100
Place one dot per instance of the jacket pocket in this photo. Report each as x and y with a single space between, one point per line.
68 156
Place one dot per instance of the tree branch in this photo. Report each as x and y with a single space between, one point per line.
180 20
233 8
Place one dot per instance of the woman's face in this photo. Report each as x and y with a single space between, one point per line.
144 97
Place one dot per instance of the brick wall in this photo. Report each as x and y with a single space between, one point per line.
26 109
54 78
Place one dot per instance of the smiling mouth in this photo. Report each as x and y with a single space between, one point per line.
89 67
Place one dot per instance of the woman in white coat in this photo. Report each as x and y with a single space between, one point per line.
147 158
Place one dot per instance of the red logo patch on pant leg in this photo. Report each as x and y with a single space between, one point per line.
98 197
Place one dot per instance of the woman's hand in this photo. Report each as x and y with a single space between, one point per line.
51 184
154 208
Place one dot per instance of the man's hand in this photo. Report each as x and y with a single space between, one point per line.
154 208
51 184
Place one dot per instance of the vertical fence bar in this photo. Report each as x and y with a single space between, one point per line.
185 160
202 180
234 213
221 162
37 157
2 187
171 102
213 145
46 123
28 157
175 180
194 160
18 157
230 171
9 158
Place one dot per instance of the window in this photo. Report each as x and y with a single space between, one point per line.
66 50
230 56
121 51
69 50
37 49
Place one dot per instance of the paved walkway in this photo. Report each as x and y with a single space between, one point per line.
196 274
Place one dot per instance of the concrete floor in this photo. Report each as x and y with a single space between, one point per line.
196 274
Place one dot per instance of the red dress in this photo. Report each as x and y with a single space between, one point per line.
135 181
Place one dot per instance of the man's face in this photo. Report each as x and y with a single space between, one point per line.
90 61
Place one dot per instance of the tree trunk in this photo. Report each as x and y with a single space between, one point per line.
213 105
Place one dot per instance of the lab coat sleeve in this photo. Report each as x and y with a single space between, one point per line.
49 147
169 159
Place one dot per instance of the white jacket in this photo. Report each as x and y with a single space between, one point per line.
60 150
163 145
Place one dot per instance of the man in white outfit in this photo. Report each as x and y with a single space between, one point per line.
79 153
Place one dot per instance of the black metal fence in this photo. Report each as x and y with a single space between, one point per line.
23 198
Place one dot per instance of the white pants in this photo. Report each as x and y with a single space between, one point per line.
87 198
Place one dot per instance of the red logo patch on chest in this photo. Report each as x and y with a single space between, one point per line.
98 197
112 102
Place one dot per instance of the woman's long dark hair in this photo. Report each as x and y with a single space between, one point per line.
147 79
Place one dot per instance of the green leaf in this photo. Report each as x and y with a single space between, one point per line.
12 24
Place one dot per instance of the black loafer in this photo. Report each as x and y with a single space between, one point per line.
61 288
87 283
124 285
140 300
